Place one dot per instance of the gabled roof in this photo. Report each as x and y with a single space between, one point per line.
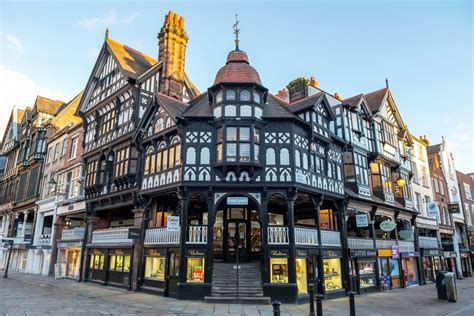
375 100
171 105
310 101
199 107
276 108
46 105
19 115
357 100
66 115
132 62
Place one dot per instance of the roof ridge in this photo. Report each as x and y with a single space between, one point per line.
306 98
171 98
131 48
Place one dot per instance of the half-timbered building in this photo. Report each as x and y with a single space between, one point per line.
119 91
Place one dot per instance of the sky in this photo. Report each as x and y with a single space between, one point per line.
423 47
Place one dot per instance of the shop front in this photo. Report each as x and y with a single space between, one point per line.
431 263
465 264
161 270
110 266
449 258
389 269
409 268
362 270
96 269
69 256
195 282
332 272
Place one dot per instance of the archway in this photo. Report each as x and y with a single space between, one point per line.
237 235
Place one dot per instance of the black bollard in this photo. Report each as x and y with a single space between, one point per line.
311 300
276 308
319 304
352 306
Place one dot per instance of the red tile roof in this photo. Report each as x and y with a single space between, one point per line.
237 70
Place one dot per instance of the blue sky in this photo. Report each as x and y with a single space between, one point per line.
424 48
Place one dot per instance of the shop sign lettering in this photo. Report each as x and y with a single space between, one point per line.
237 200
332 253
387 226
119 252
134 233
395 251
196 253
363 253
96 251
172 223
453 208
431 252
410 254
362 220
301 253
279 253
154 253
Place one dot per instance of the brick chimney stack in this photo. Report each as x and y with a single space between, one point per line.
172 41
301 88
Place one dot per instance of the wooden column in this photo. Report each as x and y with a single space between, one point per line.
341 210
264 243
184 200
317 201
91 226
211 219
137 249
291 197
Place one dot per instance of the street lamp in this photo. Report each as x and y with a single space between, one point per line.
7 243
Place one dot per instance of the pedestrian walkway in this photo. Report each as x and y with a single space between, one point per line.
26 294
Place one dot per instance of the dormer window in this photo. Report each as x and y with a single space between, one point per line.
230 95
219 97
245 95
356 122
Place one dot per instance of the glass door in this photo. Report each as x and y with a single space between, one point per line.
236 241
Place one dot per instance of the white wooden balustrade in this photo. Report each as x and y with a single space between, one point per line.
73 233
161 236
360 243
112 235
19 240
44 240
330 238
306 236
406 246
197 234
428 242
278 235
382 243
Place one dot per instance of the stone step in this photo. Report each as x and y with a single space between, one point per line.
243 300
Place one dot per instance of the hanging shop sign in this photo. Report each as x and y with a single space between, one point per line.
196 253
301 253
384 252
332 253
395 251
410 254
406 234
449 254
237 200
363 252
134 233
453 208
388 225
279 253
362 220
172 223
433 209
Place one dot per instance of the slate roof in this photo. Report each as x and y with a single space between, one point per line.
433 149
132 62
172 105
305 102
375 99
237 70
199 107
46 105
276 108
353 101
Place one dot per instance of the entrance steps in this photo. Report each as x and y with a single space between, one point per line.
228 287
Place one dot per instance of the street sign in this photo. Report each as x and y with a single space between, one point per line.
362 220
172 223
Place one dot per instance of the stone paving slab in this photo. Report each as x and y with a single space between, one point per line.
26 294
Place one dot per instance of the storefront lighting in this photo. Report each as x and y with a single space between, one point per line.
401 182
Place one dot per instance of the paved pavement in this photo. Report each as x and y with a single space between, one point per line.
25 294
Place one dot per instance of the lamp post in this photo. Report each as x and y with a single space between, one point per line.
8 243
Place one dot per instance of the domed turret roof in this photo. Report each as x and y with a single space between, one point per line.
237 70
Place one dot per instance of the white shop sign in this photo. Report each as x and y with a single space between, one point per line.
237 200
172 224
362 220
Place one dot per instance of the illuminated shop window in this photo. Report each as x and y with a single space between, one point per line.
97 262
279 270
119 263
155 268
332 274
301 276
195 271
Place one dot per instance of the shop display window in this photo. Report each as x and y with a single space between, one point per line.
332 274
301 276
411 271
97 262
195 270
328 219
174 264
119 263
279 270
155 268
366 274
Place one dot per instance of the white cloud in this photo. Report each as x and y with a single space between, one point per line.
459 137
15 43
20 91
111 18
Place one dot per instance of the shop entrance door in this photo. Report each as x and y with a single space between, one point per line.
236 241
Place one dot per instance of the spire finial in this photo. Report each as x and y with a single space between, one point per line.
236 32
386 82
106 33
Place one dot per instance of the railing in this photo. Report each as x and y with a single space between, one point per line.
406 246
197 234
428 242
360 243
20 240
161 236
306 236
278 235
44 240
330 238
382 243
73 233
112 235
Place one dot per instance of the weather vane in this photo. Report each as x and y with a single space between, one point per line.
236 32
